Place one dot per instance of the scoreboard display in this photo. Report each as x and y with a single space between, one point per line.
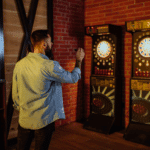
138 25
105 92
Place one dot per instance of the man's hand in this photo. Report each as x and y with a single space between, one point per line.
79 57
80 54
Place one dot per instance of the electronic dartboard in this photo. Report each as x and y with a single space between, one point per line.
140 81
105 80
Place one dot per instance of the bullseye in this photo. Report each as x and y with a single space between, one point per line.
139 109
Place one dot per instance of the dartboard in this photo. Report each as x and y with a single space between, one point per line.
103 49
144 47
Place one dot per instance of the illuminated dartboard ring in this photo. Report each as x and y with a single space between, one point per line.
144 47
102 104
104 47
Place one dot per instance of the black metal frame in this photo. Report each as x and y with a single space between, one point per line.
50 17
2 75
3 123
27 24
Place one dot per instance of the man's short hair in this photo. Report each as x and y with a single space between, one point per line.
38 35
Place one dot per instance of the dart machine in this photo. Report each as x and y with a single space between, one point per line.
139 126
105 81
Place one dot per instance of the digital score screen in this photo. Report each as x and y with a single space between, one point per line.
139 25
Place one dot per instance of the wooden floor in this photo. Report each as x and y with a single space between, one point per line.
74 137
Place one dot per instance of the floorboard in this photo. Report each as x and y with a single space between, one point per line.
74 137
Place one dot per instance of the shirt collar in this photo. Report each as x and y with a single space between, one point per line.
38 54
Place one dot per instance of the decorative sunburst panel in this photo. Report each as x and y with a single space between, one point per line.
103 99
141 106
140 103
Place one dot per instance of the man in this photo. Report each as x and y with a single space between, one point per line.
37 92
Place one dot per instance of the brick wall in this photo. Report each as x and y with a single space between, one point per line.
115 12
69 35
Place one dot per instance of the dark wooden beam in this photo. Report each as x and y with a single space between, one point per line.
3 119
50 17
27 24
2 75
31 16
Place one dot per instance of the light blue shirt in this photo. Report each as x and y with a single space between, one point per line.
37 90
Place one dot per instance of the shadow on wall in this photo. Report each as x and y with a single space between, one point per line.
123 77
76 30
86 102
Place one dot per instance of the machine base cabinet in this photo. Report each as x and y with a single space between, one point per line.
100 123
138 133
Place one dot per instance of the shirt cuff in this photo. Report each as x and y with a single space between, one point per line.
76 69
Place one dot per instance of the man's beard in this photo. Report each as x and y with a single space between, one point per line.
48 53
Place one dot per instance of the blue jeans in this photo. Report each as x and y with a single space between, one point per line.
42 137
